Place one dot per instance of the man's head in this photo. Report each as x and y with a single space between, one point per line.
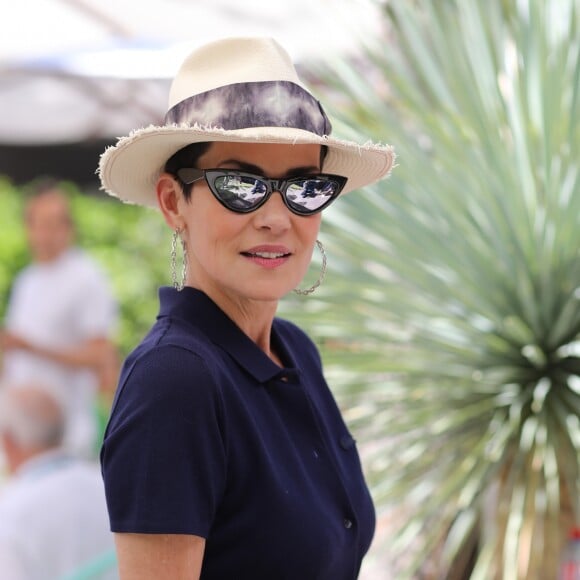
32 421
48 222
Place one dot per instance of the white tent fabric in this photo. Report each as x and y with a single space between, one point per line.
77 70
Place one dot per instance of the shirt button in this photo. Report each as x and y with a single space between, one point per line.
346 442
347 523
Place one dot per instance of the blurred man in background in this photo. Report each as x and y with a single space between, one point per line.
60 319
53 517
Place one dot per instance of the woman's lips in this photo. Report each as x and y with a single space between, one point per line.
268 256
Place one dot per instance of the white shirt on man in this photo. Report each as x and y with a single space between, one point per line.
60 304
53 520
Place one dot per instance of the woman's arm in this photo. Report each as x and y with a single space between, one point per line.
155 556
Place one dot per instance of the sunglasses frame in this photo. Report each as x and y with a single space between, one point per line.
189 175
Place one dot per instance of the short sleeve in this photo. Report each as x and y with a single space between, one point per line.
163 457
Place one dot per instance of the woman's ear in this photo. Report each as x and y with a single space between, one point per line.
169 195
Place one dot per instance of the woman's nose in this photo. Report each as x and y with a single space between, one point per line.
273 214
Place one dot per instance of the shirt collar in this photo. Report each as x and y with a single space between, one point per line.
197 309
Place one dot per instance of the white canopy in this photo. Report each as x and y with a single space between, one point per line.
81 70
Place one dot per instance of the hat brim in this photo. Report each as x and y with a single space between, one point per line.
129 170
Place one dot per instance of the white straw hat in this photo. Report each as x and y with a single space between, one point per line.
243 90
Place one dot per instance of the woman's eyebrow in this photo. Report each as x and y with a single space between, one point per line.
251 168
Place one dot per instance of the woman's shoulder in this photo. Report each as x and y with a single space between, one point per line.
172 334
171 356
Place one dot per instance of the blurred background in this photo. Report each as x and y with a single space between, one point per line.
449 321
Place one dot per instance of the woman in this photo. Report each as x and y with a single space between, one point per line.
226 455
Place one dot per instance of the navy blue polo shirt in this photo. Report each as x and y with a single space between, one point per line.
208 436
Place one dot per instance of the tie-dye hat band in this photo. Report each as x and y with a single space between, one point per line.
253 104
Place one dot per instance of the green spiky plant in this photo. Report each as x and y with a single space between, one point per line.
450 320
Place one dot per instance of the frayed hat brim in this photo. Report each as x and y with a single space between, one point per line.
129 170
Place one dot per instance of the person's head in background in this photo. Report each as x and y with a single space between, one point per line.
32 422
48 221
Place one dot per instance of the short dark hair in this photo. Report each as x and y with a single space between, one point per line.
41 186
189 155
48 186
186 157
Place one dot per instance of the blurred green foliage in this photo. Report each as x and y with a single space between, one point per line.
13 252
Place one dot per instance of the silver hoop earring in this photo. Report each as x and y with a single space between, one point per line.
320 278
178 285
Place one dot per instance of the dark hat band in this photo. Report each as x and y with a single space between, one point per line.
255 104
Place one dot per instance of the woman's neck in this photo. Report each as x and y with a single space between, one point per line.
253 317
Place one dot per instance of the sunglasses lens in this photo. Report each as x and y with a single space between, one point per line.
310 195
239 192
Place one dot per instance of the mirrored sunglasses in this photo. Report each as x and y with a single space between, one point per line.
245 192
